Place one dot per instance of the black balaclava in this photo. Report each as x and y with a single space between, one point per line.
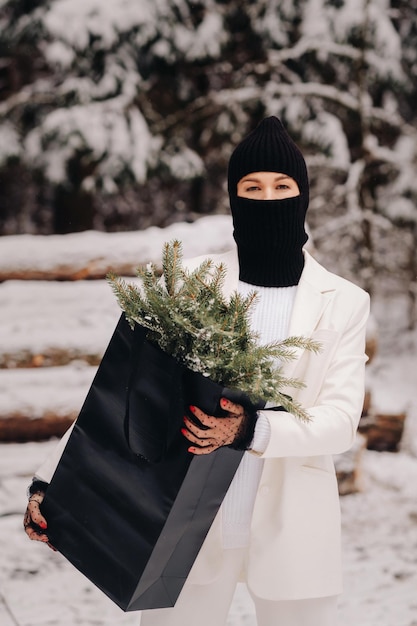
269 234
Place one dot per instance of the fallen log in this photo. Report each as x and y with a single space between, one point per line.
36 404
92 254
47 324
383 431
19 428
50 357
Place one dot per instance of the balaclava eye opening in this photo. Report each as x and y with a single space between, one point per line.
269 234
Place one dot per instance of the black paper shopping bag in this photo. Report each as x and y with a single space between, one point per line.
154 399
132 526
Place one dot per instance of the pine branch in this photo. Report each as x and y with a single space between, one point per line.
187 316
171 266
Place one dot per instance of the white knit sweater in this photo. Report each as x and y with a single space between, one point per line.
270 319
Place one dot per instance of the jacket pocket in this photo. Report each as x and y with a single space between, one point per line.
318 465
313 469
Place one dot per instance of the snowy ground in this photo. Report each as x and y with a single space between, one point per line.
38 588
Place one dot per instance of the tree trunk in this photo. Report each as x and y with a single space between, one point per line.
73 210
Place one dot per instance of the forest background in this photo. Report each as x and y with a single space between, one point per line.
120 115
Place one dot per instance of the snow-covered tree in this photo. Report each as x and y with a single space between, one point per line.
123 114
95 70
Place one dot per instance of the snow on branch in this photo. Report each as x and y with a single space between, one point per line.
319 90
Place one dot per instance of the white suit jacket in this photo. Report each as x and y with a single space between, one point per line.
294 549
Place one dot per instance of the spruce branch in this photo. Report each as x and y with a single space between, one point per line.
187 316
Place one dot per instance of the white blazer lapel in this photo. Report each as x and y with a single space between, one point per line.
315 292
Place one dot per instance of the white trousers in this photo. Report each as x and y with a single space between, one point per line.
208 605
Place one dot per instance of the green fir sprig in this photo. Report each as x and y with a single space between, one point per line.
188 317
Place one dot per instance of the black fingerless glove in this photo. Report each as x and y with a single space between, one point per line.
246 431
37 486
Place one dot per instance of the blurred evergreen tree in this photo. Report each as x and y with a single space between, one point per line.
123 115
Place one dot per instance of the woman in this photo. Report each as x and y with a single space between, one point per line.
278 528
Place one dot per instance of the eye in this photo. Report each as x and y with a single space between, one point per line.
252 188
